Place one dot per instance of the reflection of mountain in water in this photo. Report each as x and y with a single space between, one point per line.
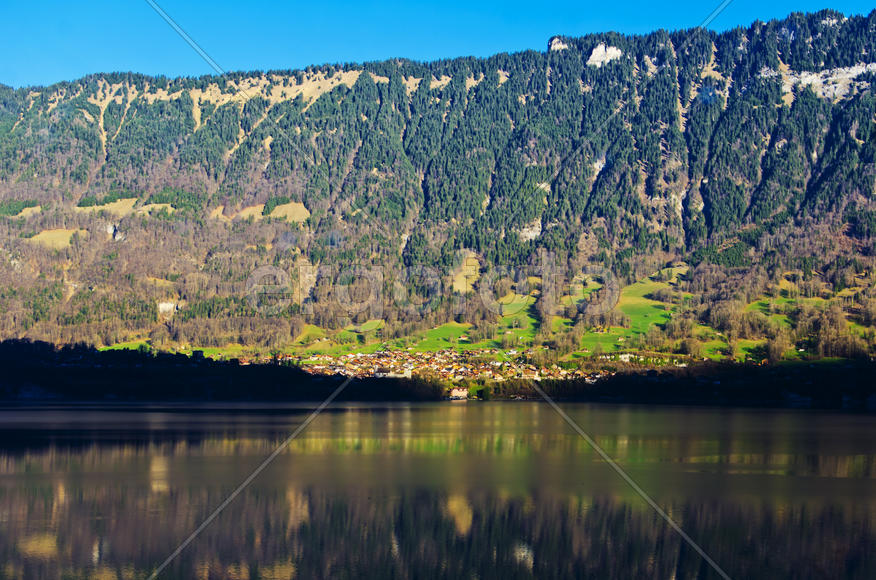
435 491
114 533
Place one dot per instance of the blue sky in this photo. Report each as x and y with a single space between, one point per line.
45 42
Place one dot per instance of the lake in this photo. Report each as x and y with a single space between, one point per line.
444 490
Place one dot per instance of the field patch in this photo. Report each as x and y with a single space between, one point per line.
513 303
29 211
253 211
56 239
579 289
467 273
471 82
154 208
219 214
309 334
441 337
519 319
768 308
128 345
604 342
643 312
18 208
293 212
230 350
371 325
119 208
160 282
561 324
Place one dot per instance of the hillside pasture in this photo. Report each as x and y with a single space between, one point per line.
56 239
119 208
293 212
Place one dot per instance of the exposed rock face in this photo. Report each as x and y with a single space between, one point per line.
833 83
557 44
531 231
603 55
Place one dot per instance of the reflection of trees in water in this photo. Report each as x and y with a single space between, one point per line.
122 531
48 456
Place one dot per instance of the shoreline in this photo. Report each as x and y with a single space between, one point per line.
39 373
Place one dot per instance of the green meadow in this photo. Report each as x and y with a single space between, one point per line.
517 324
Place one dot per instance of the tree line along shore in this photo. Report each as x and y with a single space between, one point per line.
36 372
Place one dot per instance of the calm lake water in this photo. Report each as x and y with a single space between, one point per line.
452 490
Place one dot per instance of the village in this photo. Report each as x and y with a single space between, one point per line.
447 365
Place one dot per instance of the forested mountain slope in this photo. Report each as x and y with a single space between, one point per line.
753 148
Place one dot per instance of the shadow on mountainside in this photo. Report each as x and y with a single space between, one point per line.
42 371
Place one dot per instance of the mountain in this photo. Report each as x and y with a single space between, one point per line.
137 205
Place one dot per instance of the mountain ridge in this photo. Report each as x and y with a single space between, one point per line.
750 148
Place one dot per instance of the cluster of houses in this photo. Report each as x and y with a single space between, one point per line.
449 365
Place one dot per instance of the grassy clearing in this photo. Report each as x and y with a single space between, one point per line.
309 334
714 349
579 290
118 208
467 273
254 211
129 345
313 86
29 211
519 323
643 312
519 319
154 208
513 304
56 239
224 352
371 325
411 84
219 214
439 83
611 340
160 282
441 337
560 324
333 348
16 208
748 347
858 328
293 212
766 306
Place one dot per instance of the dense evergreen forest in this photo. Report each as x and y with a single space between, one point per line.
135 206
